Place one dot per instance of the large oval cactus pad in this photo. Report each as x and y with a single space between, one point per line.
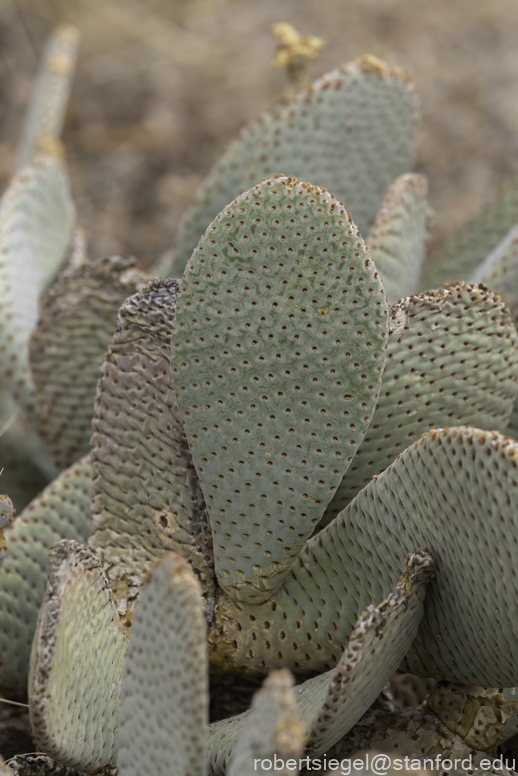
455 492
278 352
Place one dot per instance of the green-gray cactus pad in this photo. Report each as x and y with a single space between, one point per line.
452 359
397 242
353 131
272 731
164 695
36 220
460 256
49 99
454 491
76 663
78 317
223 183
61 511
146 497
331 704
278 351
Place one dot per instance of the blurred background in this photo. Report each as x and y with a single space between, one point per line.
163 85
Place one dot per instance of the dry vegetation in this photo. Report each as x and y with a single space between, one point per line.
163 85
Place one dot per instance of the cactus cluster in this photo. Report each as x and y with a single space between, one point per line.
302 479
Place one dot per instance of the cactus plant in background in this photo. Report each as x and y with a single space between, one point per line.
353 131
290 482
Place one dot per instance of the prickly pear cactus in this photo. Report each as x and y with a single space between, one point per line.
71 683
397 242
281 320
44 120
259 476
166 726
36 220
77 319
146 496
353 131
362 120
443 478
61 510
452 359
329 705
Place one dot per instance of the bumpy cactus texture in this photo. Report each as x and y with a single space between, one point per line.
77 319
452 359
362 120
330 705
36 220
435 495
243 515
278 350
146 497
164 710
62 510
397 242
353 131
76 662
